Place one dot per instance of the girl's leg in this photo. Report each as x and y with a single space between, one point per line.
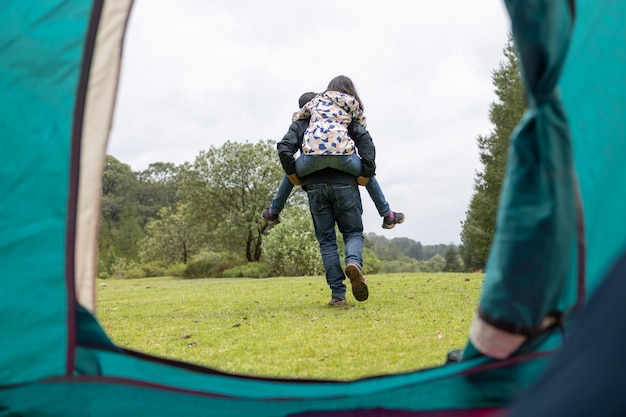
350 164
282 194
306 164
377 196
390 218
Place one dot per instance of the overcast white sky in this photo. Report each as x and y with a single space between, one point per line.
197 73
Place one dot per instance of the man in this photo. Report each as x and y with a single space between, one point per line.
334 199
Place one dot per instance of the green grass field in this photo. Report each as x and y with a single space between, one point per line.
283 327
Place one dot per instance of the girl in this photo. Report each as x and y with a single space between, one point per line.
327 144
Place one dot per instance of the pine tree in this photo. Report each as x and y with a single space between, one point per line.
453 261
504 113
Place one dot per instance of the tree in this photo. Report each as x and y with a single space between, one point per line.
434 264
120 231
170 237
291 248
226 189
157 187
118 186
409 247
453 260
505 113
128 233
129 201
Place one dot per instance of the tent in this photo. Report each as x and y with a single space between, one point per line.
559 229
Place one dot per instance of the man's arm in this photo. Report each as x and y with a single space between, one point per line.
290 144
365 145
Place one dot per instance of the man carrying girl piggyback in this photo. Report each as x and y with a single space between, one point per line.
327 144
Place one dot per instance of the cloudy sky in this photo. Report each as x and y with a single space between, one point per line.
197 73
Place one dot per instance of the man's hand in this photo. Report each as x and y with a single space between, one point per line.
295 180
362 180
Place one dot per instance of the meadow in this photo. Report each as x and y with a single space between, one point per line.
283 327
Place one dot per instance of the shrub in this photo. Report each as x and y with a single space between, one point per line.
291 249
371 264
122 267
209 264
400 265
221 267
250 270
436 263
234 272
217 257
135 272
200 269
154 269
176 270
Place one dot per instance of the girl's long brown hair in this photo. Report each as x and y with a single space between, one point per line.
345 85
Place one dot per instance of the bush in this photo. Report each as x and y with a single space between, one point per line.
154 269
234 272
200 269
250 270
371 264
209 264
400 265
291 249
176 270
221 267
434 264
218 257
135 272
124 268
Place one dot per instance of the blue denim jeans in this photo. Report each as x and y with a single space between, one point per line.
306 164
330 205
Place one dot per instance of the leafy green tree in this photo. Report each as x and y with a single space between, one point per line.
170 237
118 187
409 247
119 230
403 264
435 264
505 113
397 253
291 248
388 253
129 201
128 232
226 189
157 187
383 248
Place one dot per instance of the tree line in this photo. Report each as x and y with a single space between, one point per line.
202 218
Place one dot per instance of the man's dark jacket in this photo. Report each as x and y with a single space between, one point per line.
292 143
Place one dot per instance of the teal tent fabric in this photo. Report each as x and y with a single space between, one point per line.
56 360
134 385
587 377
594 94
530 265
41 56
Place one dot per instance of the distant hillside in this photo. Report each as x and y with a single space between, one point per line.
390 248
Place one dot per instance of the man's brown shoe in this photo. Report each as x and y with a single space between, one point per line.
337 302
359 287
